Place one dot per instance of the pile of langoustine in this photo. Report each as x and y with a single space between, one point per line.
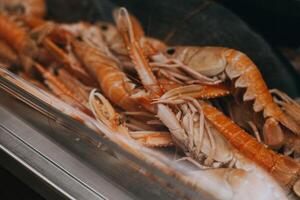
200 99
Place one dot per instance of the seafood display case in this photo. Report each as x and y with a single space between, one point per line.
66 154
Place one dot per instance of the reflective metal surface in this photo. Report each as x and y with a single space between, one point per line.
66 173
61 158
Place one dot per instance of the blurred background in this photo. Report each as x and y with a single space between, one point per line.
202 23
276 20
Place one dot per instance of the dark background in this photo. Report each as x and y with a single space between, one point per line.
276 20
12 188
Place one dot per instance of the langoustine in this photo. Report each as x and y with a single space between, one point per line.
118 88
114 83
56 46
218 63
13 15
17 37
287 179
113 37
204 142
291 108
285 170
75 96
106 114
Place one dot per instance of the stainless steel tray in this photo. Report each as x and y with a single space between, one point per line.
44 164
64 158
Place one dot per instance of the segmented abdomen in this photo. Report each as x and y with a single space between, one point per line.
14 35
113 82
248 76
283 168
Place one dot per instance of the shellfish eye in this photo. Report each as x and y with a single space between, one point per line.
78 38
170 51
104 27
